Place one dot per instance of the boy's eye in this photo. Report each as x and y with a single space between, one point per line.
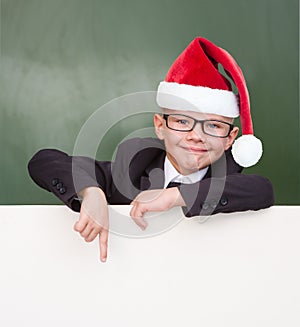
213 125
182 122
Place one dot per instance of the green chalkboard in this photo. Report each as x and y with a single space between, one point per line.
63 59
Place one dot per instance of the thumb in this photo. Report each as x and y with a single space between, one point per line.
81 223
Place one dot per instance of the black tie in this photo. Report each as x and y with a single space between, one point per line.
173 184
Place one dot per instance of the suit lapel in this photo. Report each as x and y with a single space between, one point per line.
223 167
154 178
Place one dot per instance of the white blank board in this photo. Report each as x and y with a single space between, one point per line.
238 269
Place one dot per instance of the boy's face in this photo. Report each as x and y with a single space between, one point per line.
194 150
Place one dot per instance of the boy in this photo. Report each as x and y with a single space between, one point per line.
192 164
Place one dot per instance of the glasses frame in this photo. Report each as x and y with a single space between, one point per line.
196 121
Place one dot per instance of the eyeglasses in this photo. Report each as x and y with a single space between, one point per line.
184 123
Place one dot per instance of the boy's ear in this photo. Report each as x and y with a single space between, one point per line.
232 136
159 125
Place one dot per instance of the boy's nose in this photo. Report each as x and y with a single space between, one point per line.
197 134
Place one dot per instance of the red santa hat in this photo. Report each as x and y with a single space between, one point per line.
194 83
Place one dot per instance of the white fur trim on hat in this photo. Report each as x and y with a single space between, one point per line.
176 96
247 150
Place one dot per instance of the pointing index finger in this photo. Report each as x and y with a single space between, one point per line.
103 240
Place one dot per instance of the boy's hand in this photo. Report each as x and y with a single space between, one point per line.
93 219
154 200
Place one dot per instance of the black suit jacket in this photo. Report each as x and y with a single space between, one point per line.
138 166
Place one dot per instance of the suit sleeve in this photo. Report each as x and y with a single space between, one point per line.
235 192
65 175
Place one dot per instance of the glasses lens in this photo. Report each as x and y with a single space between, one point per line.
216 128
180 123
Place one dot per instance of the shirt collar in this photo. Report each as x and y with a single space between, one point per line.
172 175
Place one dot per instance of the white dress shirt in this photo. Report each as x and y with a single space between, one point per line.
172 175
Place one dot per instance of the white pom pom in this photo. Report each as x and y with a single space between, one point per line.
247 150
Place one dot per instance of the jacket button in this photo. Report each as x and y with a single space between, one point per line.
213 204
54 181
59 185
62 190
223 201
205 206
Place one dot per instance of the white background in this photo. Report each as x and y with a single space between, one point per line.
238 269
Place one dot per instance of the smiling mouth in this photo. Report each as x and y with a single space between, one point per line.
195 149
